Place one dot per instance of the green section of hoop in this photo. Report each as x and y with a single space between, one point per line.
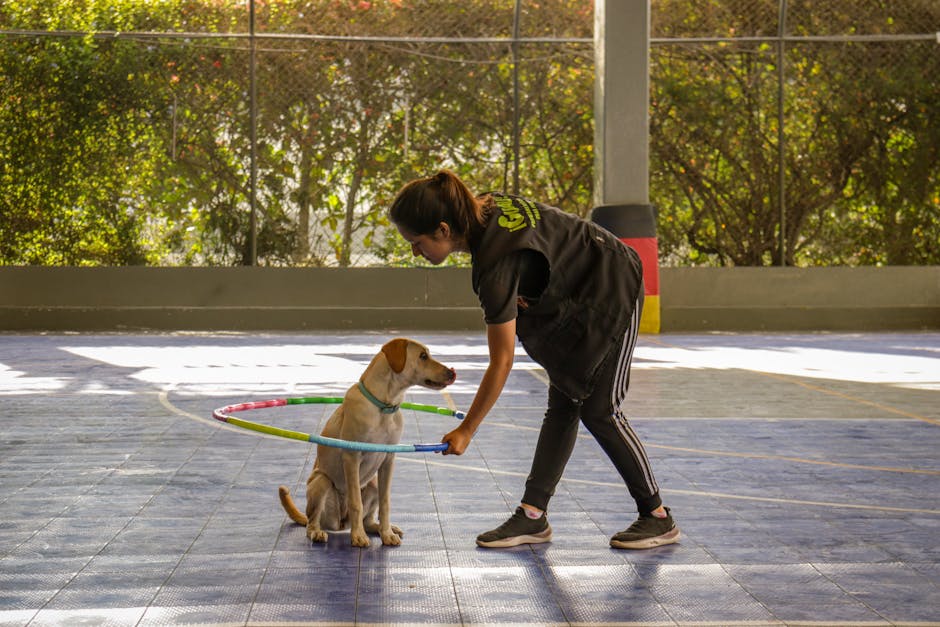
336 400
429 408
309 400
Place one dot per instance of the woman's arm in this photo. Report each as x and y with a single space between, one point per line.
501 339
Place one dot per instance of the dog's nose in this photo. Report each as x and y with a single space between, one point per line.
453 375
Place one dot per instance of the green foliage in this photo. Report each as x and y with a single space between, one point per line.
64 118
889 212
130 149
860 145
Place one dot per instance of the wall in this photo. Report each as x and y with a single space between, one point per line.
241 298
800 299
439 299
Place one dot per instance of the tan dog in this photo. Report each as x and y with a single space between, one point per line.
347 487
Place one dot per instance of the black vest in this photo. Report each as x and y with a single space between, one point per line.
594 281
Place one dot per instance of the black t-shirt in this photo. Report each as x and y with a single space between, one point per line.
580 302
520 275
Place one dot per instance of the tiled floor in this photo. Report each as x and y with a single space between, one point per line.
804 471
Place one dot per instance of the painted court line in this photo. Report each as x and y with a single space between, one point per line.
165 401
702 493
849 397
796 460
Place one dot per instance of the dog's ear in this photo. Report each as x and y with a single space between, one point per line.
396 352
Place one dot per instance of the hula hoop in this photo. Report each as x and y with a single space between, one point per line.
222 414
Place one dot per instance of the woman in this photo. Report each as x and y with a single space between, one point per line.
572 293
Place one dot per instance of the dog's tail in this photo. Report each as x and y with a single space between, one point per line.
288 503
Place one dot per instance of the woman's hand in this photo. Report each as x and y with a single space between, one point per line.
458 440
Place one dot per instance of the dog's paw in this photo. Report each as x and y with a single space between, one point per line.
317 535
401 534
392 538
360 539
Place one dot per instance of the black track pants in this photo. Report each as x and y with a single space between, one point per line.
602 415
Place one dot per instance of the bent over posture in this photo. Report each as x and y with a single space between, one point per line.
573 294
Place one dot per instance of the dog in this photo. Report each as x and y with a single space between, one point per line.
347 488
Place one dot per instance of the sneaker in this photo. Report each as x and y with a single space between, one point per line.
519 529
648 531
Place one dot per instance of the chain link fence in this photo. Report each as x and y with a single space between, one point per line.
797 133
227 133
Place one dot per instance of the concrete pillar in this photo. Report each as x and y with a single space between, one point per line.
621 137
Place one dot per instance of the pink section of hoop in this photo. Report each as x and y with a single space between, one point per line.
277 402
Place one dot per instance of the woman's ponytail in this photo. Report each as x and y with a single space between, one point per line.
424 203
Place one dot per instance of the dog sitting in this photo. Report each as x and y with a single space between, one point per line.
347 488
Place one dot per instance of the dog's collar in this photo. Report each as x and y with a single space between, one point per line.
385 408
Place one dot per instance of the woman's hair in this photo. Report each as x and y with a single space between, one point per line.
422 204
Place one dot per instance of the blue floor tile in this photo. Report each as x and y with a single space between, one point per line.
806 490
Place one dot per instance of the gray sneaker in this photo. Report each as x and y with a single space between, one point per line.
648 531
519 529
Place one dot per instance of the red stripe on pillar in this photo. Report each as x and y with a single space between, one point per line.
648 248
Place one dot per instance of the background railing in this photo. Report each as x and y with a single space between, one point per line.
223 133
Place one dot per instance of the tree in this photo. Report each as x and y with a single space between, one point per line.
859 165
889 211
122 149
711 128
75 153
